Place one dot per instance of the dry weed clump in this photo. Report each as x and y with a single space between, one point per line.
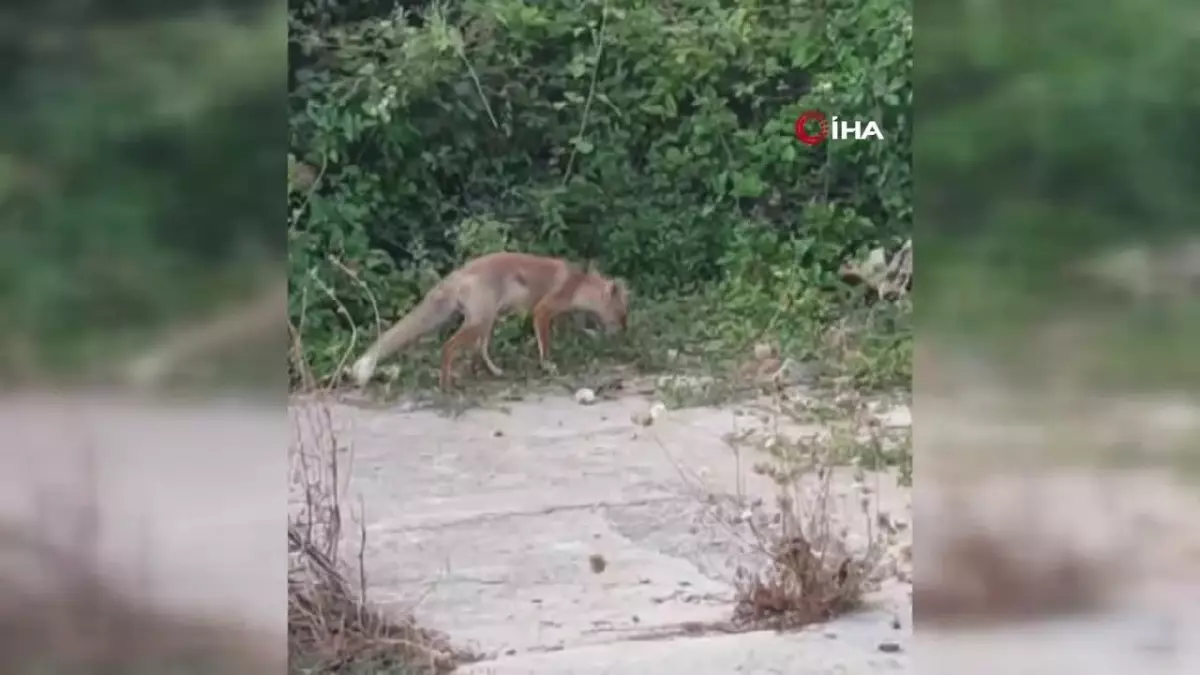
809 575
59 615
332 627
332 630
811 566
985 576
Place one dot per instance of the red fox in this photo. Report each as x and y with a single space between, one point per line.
494 284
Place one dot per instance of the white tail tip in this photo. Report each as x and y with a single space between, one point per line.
363 369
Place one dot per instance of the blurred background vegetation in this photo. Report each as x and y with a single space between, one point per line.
656 138
139 138
1050 135
1057 195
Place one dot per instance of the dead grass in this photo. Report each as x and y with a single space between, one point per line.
332 625
805 564
813 564
331 629
987 576
811 555
808 577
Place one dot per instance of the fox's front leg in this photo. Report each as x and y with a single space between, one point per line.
543 315
485 350
584 321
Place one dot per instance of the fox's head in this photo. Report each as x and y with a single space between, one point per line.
608 299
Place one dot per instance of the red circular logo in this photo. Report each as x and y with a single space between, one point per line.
810 138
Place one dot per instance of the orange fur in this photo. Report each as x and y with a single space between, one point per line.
490 286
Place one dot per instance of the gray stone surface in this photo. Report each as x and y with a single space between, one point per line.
484 524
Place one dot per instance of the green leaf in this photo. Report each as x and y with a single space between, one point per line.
748 185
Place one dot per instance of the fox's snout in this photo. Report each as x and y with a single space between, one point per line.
612 324
615 319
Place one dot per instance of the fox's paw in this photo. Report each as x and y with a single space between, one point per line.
490 367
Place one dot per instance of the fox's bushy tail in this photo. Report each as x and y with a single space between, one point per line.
435 309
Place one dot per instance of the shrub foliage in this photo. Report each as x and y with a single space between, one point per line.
655 137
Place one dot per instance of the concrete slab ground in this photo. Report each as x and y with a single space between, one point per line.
485 526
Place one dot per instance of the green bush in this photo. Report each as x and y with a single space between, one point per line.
655 137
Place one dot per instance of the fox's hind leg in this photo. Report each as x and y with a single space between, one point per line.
467 334
480 309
